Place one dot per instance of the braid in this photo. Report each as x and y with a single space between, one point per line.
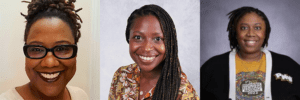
168 84
65 10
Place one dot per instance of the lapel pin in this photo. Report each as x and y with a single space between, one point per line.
284 77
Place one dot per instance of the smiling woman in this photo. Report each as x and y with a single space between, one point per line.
249 71
51 35
156 73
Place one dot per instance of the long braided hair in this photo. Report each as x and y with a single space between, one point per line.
168 84
62 9
235 17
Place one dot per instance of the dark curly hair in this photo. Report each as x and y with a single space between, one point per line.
235 17
62 9
168 84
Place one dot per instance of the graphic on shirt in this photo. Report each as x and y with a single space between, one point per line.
250 79
250 86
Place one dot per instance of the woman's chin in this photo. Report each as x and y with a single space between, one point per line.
250 50
51 91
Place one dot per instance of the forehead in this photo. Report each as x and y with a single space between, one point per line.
148 23
50 30
251 17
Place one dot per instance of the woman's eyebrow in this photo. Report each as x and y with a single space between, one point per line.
244 24
257 23
35 42
137 32
62 41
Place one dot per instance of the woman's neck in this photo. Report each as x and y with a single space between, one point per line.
150 75
34 93
250 56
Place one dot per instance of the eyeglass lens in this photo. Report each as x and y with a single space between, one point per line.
59 51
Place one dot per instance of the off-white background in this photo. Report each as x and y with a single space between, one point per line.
12 60
115 50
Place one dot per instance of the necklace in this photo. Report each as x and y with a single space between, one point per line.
260 61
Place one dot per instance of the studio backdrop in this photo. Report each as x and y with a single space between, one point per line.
283 17
114 50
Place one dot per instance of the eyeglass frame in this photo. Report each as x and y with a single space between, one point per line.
74 46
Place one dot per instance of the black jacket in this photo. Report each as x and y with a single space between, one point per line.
214 78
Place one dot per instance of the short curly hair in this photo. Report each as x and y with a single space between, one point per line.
236 15
62 9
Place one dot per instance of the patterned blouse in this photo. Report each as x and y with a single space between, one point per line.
125 85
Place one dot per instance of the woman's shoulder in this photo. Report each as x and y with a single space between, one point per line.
283 59
186 89
219 57
217 61
128 68
11 94
77 93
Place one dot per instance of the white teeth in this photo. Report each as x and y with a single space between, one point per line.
50 76
250 41
147 58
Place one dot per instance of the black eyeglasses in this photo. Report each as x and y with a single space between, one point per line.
59 51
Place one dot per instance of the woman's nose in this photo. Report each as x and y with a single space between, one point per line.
250 32
148 45
49 60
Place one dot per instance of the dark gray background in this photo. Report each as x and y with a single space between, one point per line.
283 15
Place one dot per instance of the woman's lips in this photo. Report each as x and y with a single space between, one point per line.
250 42
146 59
50 77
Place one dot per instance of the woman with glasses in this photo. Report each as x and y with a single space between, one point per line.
51 35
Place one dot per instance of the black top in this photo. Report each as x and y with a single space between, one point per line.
214 78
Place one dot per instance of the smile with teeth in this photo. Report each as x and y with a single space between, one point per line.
250 41
146 58
50 76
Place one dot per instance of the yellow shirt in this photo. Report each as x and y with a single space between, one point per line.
250 78
251 66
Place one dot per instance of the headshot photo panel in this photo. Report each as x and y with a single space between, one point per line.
49 49
160 38
249 49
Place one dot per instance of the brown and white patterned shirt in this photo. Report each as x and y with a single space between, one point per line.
125 85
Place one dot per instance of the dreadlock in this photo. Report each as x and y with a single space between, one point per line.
168 84
62 9
236 15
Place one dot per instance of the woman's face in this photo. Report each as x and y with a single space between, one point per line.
50 32
251 31
146 42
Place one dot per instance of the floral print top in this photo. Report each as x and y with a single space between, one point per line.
125 85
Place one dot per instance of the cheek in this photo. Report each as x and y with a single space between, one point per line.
70 65
161 48
261 34
133 47
31 63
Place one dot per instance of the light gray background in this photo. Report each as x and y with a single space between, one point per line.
114 50
283 15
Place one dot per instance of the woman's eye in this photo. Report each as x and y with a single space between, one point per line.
157 39
60 49
257 28
36 50
137 37
244 28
